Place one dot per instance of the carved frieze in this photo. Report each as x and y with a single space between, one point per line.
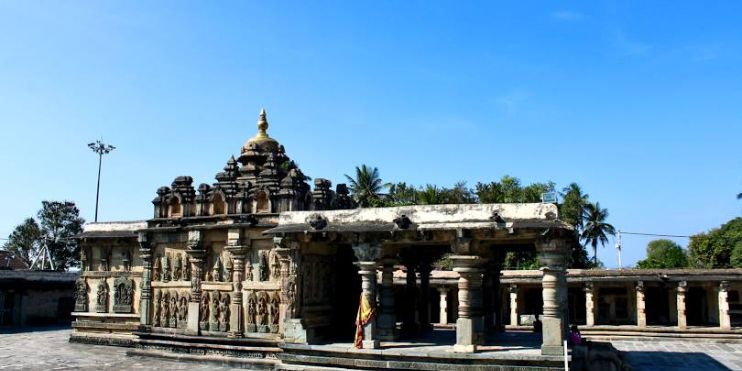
101 298
123 295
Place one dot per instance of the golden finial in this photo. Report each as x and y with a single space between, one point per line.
262 125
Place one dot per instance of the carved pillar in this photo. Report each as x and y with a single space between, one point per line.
237 252
554 288
514 305
196 257
443 292
368 254
682 288
470 323
641 311
145 300
725 321
424 309
589 304
410 325
387 323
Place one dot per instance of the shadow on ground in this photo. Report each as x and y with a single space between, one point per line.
18 330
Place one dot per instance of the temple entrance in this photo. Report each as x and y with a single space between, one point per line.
657 306
696 307
577 312
346 299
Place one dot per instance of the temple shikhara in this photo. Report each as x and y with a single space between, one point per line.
261 268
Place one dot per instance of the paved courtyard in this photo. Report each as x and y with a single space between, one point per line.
674 355
49 350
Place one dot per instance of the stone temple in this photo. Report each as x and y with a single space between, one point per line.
261 268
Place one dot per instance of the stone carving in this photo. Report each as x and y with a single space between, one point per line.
183 310
248 267
123 295
250 325
290 291
261 314
186 268
224 313
275 268
126 260
263 268
214 312
157 270
166 274
81 296
367 252
217 270
173 309
177 268
316 221
164 310
273 313
204 312
402 222
229 267
101 299
156 316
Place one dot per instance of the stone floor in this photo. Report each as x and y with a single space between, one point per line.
49 349
666 355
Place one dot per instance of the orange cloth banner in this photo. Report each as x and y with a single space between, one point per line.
365 313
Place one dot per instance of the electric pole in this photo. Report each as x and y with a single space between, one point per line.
101 149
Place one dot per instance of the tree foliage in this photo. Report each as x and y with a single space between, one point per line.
596 229
509 190
664 254
25 239
366 186
715 248
58 222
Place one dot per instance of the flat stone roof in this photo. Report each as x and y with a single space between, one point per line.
120 229
424 217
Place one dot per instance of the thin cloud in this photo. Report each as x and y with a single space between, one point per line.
567 16
511 102
627 46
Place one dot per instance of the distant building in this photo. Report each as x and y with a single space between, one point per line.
10 261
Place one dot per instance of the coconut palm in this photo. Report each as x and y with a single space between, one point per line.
595 228
366 185
573 205
431 195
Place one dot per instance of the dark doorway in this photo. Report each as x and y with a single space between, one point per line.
577 311
657 306
347 296
696 307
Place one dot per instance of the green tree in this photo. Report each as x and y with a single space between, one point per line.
572 208
596 229
460 194
431 195
401 194
60 222
714 249
664 254
25 240
366 186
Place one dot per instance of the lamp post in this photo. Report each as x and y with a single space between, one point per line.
101 149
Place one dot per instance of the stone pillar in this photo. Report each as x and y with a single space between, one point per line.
409 321
513 305
196 256
288 324
387 322
367 254
589 304
424 309
682 288
552 254
145 299
237 252
443 292
725 321
470 323
641 312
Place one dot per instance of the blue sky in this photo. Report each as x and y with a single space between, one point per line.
638 102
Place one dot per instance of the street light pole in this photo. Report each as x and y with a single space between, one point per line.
101 149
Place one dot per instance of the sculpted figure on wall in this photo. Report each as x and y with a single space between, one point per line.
164 310
182 311
263 268
157 270
275 268
273 312
214 309
156 317
251 311
224 313
101 298
166 274
123 295
261 315
248 270
81 296
177 268
217 270
204 311
173 308
186 269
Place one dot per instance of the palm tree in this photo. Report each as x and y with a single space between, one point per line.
596 229
573 205
366 186
431 195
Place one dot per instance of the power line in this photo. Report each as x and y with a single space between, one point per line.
654 234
